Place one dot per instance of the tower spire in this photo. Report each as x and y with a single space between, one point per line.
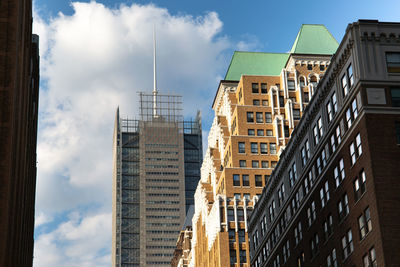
155 92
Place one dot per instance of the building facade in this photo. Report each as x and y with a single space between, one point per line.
19 97
333 198
257 107
155 161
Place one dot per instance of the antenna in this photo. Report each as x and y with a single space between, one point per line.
155 92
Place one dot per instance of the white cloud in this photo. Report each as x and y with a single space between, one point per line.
91 62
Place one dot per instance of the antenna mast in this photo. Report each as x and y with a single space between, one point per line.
155 92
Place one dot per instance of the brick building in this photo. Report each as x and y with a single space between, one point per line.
256 107
333 199
19 89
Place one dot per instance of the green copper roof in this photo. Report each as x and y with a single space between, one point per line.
255 63
314 39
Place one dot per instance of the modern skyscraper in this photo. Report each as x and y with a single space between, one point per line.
257 108
342 207
156 166
19 97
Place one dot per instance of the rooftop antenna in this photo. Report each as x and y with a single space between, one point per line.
155 92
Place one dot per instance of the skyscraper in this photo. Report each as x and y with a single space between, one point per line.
19 97
343 207
257 108
156 168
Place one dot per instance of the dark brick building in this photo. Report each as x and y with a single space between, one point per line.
333 199
19 88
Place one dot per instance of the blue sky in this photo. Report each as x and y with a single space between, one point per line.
96 56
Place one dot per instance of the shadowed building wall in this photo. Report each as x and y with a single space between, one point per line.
19 88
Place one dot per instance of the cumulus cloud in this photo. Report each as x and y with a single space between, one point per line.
91 62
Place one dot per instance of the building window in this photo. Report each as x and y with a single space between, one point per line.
264 88
236 180
241 147
263 148
271 210
242 235
328 227
315 135
314 245
237 196
369 259
364 223
281 194
268 117
270 133
324 194
397 126
264 164
339 173
242 163
350 75
347 244
272 148
273 163
329 111
250 117
298 234
233 259
246 196
265 103
242 256
286 131
240 214
259 117
231 232
254 148
281 101
260 132
286 251
311 213
345 87
266 178
309 67
360 185
256 102
355 149
255 164
302 83
296 114
306 97
291 85
395 93
303 156
393 62
258 179
307 184
331 260
231 216
251 132
254 88
351 113
343 207
334 103
245 180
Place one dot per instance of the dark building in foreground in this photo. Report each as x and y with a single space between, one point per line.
333 199
19 89
156 168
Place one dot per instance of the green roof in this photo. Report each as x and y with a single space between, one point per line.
255 63
314 39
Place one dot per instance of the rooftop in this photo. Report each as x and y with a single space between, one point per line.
311 39
314 39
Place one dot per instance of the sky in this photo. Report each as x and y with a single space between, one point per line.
96 56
